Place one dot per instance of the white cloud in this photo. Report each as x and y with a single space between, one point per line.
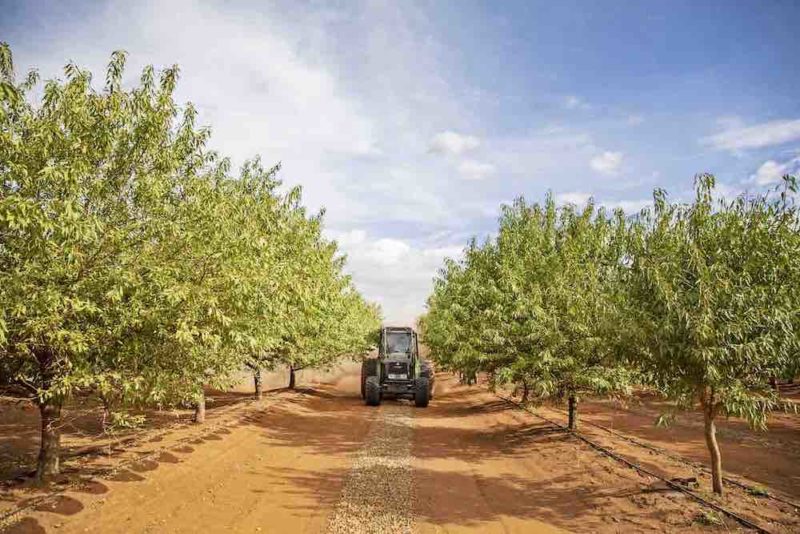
757 136
475 170
771 171
351 238
575 102
634 120
727 191
396 273
580 198
386 251
628 206
573 197
607 162
453 143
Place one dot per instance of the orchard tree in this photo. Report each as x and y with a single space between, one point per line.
304 312
328 319
459 312
714 285
539 306
561 266
83 177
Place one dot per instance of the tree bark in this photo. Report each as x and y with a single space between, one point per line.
106 413
525 392
257 383
709 413
292 380
573 412
200 409
48 464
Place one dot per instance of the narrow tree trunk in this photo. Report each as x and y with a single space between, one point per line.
291 377
200 409
573 412
106 413
713 447
525 392
48 463
257 383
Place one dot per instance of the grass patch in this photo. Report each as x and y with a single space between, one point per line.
709 518
758 491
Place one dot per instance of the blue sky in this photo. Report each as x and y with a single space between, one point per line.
412 121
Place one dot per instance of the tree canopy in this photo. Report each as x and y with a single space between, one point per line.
135 264
697 300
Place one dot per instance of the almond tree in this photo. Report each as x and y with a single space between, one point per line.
562 265
84 176
307 313
714 289
539 306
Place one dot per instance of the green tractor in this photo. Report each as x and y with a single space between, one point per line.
399 371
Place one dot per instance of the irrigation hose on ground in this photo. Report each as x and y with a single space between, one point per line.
691 463
603 450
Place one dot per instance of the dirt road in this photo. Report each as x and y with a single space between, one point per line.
320 461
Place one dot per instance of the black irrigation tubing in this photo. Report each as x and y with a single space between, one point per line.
691 463
603 450
7 518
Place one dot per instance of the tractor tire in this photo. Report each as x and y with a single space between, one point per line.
372 391
363 380
427 372
369 367
422 392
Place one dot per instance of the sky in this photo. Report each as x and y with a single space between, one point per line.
412 122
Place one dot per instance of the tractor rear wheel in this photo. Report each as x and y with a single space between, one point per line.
427 372
422 392
363 380
369 367
372 390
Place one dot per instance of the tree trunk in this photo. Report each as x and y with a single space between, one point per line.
573 412
106 413
709 413
200 409
525 392
257 383
50 446
48 463
291 377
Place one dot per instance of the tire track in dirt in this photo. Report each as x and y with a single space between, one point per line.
378 493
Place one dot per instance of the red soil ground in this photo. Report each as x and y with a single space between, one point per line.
479 465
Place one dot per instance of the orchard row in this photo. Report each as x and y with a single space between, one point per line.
134 265
699 301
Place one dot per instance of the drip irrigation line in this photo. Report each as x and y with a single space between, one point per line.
603 450
691 463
